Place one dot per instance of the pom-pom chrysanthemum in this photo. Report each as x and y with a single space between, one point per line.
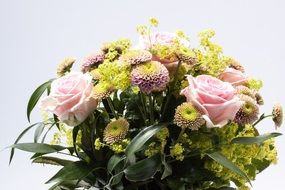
116 131
188 116
149 77
92 61
135 57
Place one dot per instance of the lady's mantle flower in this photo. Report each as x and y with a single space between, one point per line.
188 116
248 113
116 131
277 114
150 76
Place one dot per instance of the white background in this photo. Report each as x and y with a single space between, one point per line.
36 35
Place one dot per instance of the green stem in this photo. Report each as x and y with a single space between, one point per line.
110 103
142 99
260 119
180 135
151 109
172 87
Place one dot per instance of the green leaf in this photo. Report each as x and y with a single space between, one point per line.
73 171
175 184
36 96
255 140
38 147
114 161
167 168
39 130
51 161
220 158
141 138
143 169
19 138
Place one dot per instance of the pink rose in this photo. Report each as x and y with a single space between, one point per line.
162 38
70 98
233 76
214 97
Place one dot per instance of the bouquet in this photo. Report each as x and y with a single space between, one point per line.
160 114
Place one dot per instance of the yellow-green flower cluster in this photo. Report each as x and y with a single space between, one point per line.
209 55
254 84
156 147
120 147
64 136
241 155
177 151
116 147
115 74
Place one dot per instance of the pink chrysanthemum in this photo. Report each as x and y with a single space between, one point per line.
151 76
92 61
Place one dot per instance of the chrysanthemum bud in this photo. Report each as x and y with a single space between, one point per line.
277 114
259 99
236 65
188 116
116 131
65 66
243 90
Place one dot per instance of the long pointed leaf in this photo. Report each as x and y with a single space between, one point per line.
12 152
36 96
255 140
220 158
51 161
38 147
39 130
143 169
73 171
141 138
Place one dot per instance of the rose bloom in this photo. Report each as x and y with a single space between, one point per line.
70 98
214 97
168 39
162 38
233 76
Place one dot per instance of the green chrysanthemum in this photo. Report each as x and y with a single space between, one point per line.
65 66
102 90
277 114
135 57
116 131
249 111
188 116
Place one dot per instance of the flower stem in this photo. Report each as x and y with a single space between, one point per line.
261 118
170 91
142 99
151 105
110 103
